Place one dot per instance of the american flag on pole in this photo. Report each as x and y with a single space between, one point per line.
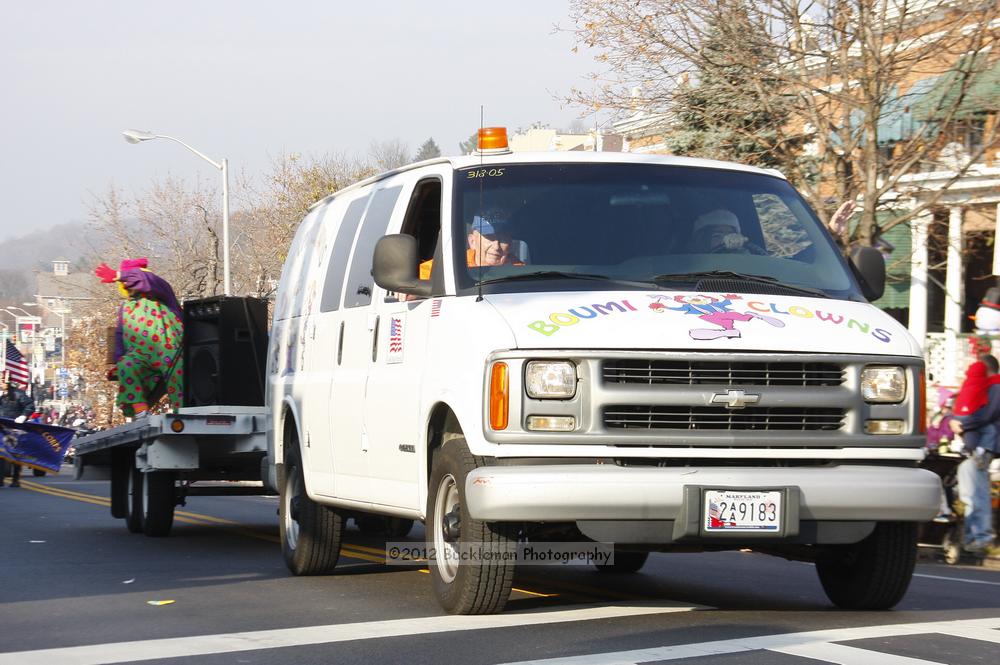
16 367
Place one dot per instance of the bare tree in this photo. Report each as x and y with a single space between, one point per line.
390 154
272 210
875 89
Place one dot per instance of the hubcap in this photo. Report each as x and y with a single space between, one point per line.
292 500
447 528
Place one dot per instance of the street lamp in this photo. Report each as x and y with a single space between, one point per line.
137 136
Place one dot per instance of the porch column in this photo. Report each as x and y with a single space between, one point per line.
954 281
918 277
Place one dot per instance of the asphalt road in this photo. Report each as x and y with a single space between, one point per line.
77 588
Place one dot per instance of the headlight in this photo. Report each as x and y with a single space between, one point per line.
883 384
550 380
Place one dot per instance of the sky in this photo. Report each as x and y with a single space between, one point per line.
252 80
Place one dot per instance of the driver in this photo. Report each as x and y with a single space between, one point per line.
488 245
719 231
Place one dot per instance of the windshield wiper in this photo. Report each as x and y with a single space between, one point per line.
556 274
728 274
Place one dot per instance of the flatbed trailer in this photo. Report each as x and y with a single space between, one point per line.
155 463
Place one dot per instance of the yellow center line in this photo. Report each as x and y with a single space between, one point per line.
350 550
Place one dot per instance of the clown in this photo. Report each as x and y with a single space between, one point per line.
148 339
714 311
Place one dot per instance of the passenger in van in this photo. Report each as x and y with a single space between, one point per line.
719 232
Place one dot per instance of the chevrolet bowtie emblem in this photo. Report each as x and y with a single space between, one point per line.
734 399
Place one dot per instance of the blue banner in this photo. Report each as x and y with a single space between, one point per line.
34 445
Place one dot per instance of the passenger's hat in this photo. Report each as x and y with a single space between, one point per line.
719 217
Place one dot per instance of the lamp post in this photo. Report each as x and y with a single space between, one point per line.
137 136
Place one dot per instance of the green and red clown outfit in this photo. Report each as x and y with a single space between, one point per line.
148 339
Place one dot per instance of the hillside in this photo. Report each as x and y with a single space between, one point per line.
23 255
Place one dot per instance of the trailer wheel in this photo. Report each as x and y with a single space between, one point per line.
625 562
873 574
461 587
158 501
133 500
121 460
310 533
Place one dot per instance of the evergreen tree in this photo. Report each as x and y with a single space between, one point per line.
722 113
428 150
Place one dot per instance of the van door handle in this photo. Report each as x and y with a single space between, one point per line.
375 341
340 344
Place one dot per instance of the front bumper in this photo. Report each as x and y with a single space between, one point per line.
564 493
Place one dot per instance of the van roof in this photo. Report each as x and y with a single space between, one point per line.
560 157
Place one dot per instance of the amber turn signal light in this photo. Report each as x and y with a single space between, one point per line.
499 396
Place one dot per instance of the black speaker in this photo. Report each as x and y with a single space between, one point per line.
225 350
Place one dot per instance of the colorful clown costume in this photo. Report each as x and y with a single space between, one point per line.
148 342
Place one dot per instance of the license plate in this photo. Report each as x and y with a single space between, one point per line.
740 510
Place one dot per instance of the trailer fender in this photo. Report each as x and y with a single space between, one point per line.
173 453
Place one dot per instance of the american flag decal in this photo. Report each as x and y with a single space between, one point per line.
435 308
395 339
15 365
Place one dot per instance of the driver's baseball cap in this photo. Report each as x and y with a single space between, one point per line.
486 227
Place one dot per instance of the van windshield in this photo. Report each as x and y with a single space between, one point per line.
528 227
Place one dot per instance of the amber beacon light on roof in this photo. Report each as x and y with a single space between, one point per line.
493 141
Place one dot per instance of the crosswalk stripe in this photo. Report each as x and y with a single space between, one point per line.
848 655
973 633
180 647
955 579
970 628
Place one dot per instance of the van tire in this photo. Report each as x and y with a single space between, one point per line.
482 588
873 574
158 500
310 533
625 562
133 498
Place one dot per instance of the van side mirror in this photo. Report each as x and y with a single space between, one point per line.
395 266
870 266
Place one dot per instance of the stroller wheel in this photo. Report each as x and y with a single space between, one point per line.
952 547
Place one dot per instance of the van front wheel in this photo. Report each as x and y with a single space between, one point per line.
873 574
310 533
472 569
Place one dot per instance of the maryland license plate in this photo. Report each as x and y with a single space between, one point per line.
742 510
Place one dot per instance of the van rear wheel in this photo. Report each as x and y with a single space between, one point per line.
479 586
310 533
625 562
873 574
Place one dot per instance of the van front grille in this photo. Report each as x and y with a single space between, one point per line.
736 373
648 417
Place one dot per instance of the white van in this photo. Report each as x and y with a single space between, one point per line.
657 352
